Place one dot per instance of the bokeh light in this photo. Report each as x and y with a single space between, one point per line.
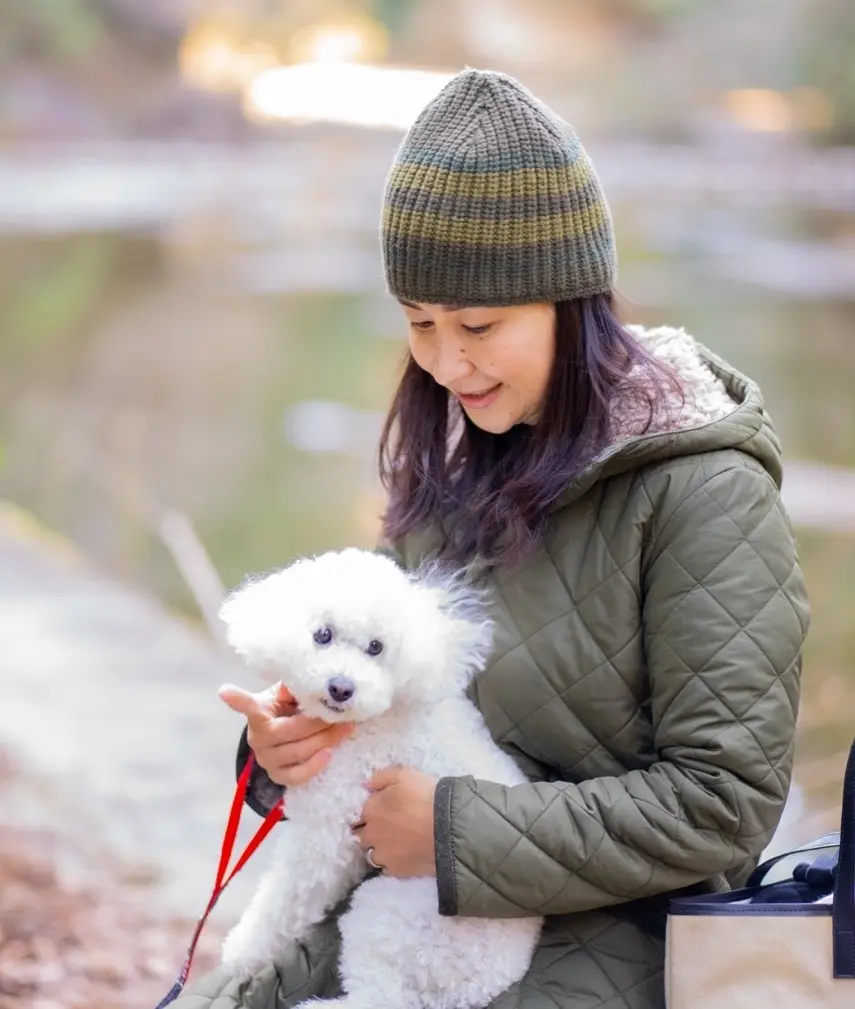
353 93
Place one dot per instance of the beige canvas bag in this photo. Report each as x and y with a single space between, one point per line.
785 941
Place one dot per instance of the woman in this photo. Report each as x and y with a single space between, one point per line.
618 489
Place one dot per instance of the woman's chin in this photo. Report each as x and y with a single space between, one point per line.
492 424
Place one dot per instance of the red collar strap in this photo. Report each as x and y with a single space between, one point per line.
270 821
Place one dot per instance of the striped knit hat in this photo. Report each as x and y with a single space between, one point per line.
492 200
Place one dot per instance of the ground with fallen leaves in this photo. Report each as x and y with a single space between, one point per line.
92 945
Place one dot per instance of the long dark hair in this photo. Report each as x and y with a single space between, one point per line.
495 491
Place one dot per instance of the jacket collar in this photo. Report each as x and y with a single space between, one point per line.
720 408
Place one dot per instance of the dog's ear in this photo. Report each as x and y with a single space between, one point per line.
455 632
256 613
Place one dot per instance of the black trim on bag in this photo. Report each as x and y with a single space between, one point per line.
841 911
725 910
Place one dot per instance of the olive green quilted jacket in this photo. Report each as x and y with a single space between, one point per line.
646 678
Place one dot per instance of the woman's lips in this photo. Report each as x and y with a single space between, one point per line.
479 400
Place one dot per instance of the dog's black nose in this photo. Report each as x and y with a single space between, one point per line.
341 689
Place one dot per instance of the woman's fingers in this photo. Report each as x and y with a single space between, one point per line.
303 748
284 702
252 706
299 774
262 710
292 748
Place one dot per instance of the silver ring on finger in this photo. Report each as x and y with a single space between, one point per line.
369 858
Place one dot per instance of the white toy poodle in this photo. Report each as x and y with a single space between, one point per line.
355 638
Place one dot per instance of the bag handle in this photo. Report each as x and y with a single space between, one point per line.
843 911
761 873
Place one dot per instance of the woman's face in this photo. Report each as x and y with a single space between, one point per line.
496 361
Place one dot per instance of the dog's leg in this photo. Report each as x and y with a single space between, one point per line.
311 872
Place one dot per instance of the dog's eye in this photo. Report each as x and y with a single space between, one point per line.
375 647
323 636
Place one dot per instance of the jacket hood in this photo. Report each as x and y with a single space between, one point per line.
720 408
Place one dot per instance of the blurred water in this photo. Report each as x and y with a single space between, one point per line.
206 330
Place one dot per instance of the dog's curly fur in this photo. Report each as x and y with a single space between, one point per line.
408 644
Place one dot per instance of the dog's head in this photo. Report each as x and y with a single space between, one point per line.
352 635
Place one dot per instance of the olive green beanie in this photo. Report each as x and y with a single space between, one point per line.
491 200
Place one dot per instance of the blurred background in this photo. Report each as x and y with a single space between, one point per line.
196 350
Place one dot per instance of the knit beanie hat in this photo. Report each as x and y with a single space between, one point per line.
491 200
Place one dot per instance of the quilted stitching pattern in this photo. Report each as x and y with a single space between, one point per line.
722 614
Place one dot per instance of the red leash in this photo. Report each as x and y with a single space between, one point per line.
270 821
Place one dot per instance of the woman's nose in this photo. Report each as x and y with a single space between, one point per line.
450 362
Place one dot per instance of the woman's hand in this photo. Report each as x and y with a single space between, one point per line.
292 748
397 822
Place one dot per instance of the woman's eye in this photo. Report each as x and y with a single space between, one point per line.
478 330
375 647
421 325
323 636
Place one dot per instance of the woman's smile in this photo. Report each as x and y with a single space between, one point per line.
479 400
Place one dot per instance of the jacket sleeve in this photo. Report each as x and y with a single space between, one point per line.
262 794
724 616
